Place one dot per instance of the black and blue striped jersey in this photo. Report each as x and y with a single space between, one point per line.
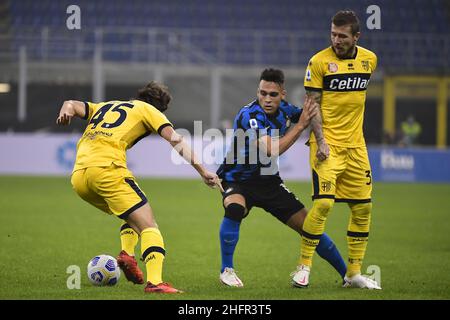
242 161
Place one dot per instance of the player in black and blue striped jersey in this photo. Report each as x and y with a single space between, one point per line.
263 130
254 122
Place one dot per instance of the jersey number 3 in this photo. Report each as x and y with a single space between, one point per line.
100 114
368 175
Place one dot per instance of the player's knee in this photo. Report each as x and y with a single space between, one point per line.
361 209
323 206
142 218
235 211
361 213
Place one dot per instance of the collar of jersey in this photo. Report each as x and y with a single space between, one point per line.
351 58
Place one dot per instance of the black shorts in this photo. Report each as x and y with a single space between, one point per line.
269 194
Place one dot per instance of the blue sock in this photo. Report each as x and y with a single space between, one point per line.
328 251
229 236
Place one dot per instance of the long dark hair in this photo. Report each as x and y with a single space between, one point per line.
156 94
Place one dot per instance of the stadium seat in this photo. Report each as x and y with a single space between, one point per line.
288 16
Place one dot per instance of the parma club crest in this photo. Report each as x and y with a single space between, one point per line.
365 65
326 186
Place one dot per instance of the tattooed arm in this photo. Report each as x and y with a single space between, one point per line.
323 151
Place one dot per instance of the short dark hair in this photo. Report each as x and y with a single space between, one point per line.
156 94
273 75
346 17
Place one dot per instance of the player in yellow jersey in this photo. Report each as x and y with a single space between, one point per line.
100 175
337 77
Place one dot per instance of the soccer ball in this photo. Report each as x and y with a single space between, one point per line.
103 270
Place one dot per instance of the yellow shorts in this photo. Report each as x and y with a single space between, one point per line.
345 176
112 189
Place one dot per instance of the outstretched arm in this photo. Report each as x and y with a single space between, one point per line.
323 151
184 150
310 110
69 109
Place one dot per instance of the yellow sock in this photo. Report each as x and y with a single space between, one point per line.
153 252
309 244
128 238
357 236
313 228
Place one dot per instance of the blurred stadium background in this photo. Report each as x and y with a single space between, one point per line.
210 54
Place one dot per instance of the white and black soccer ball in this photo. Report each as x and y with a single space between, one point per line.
103 270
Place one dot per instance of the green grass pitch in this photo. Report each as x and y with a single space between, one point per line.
45 228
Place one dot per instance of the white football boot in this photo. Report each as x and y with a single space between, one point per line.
300 277
229 277
359 281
